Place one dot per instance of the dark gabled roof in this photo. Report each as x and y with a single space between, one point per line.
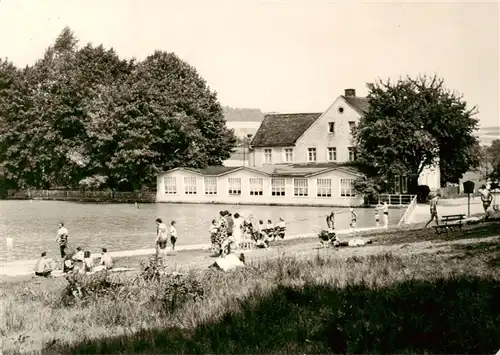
279 130
360 104
213 170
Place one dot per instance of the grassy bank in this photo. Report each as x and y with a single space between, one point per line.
317 303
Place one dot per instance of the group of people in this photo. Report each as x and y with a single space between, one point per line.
228 231
80 261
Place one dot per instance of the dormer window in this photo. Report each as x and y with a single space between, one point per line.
331 127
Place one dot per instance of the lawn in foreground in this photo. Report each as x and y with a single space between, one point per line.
383 303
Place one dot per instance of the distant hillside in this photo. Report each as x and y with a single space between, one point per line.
487 135
243 114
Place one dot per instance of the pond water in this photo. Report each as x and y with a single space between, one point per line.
33 225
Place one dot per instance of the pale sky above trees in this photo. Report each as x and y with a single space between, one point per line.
281 55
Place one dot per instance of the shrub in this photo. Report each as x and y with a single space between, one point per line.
423 192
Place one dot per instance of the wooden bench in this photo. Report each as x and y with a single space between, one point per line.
450 223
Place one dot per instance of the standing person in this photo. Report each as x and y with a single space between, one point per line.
173 235
354 216
237 229
161 241
486 197
330 221
213 234
221 239
377 215
62 239
385 211
44 266
433 209
230 226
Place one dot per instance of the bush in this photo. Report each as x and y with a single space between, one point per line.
423 192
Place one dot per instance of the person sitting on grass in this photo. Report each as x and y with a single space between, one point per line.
68 264
270 230
106 260
44 266
279 230
78 259
88 262
328 238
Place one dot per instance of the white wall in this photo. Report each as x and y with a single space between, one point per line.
245 197
319 137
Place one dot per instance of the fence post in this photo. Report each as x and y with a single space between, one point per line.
400 202
390 199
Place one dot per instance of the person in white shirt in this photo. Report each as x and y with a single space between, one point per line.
78 259
173 234
270 229
161 240
280 228
237 229
385 211
44 266
62 239
106 260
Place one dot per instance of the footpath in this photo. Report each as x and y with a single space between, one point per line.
25 267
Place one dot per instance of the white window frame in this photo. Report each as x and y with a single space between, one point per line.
345 190
209 186
331 127
256 186
278 189
189 187
333 156
352 125
234 186
288 157
169 187
300 187
351 150
312 151
268 156
324 187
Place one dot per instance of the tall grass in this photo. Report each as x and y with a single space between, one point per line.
382 303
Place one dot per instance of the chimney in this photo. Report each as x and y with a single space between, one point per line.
350 92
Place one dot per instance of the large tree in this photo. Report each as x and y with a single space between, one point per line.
86 117
412 124
490 162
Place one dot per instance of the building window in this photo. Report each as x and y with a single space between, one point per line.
234 186
400 184
324 187
268 156
190 185
288 155
170 184
256 186
311 153
210 185
352 154
332 154
347 188
300 187
352 126
331 127
277 187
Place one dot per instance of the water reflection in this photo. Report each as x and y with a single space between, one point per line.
33 225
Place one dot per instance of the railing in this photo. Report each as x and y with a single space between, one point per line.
405 218
82 195
393 199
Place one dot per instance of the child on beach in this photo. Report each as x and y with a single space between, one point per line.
377 216
161 241
173 235
213 234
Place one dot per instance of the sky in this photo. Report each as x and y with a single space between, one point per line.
282 56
